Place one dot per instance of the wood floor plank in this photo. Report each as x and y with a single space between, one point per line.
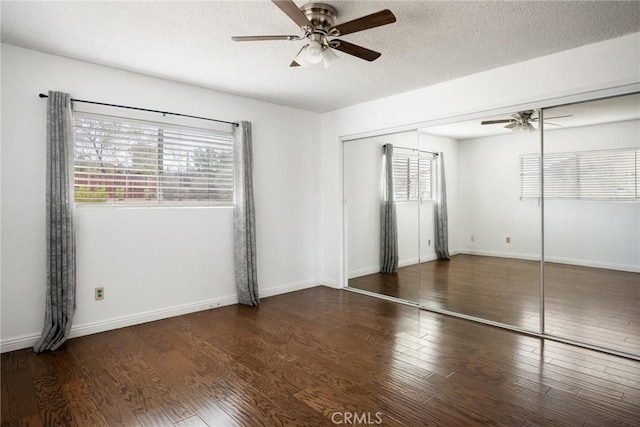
593 305
21 397
303 357
32 421
86 410
52 401
210 412
119 414
194 421
4 409
154 418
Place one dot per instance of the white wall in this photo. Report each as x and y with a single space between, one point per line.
605 67
152 262
594 233
483 193
490 208
582 232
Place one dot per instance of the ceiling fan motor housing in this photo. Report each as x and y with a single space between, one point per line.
321 15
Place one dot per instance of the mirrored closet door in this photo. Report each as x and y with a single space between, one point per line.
382 222
484 230
592 222
494 235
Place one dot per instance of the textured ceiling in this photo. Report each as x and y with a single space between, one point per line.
431 42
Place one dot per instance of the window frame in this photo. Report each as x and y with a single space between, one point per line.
579 172
172 139
410 174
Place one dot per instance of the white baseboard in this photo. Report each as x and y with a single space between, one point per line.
364 271
18 343
594 264
291 287
408 261
428 258
402 263
329 282
497 254
29 340
554 259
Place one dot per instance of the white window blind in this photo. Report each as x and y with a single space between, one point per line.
125 161
412 176
597 175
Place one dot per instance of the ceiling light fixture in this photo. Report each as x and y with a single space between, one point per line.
316 20
522 121
316 52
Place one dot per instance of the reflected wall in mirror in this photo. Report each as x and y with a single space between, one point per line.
592 223
494 235
363 191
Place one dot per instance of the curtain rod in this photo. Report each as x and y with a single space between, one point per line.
42 95
413 149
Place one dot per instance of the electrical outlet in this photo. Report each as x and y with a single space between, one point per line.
508 239
428 242
473 238
99 293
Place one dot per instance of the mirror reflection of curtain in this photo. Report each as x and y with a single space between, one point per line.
441 242
389 241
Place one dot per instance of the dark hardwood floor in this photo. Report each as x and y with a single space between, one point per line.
312 357
591 305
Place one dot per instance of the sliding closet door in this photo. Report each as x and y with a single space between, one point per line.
382 215
494 230
592 223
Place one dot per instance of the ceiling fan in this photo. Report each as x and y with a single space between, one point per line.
316 20
522 121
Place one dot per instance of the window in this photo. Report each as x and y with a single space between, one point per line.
412 176
595 175
134 162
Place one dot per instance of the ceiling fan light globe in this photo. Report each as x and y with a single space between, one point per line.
329 57
303 57
314 52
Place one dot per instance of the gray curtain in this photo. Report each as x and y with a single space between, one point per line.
440 211
61 248
389 241
244 217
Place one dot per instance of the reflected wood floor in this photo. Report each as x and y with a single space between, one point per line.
303 357
591 305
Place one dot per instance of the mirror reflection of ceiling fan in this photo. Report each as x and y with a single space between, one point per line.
522 121
316 22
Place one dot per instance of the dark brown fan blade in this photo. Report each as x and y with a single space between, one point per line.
493 122
377 19
355 50
293 12
262 38
294 64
